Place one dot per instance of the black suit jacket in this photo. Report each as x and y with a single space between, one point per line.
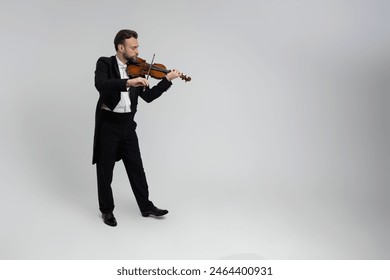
110 85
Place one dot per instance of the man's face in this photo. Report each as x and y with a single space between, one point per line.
129 49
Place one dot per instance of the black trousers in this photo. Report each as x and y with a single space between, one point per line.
117 136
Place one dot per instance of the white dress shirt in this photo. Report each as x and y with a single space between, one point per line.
124 104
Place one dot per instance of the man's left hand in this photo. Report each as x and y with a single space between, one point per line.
173 75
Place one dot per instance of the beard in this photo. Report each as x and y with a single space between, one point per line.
130 59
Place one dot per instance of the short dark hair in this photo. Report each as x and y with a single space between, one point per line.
122 35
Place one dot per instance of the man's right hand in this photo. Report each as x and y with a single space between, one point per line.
137 82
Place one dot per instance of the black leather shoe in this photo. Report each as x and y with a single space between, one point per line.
155 212
109 219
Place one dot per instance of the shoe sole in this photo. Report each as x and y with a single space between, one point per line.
111 225
150 214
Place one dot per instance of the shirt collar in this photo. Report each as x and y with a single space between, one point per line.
120 63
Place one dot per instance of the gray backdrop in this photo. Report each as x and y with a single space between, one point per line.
277 149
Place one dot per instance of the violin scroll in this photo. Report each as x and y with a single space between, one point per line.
185 78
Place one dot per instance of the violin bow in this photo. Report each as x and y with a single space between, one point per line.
150 66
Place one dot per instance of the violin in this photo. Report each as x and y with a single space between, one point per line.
139 67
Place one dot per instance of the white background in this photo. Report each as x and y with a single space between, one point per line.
277 149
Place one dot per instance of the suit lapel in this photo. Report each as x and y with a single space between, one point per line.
115 98
115 67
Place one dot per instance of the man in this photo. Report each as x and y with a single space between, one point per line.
115 136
